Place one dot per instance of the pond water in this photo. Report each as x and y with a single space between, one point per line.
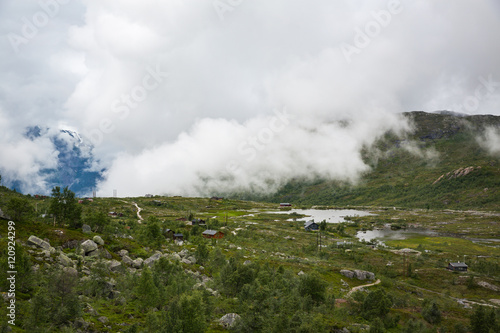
328 215
389 234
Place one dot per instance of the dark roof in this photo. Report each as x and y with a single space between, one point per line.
308 224
458 264
169 230
178 235
210 232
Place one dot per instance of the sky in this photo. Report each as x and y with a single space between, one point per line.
195 97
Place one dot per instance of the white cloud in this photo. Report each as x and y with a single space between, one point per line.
225 78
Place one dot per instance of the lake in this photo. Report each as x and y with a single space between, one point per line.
328 215
389 234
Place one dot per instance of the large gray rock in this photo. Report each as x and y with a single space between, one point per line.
33 240
229 320
122 253
105 254
360 275
98 240
347 273
137 263
127 261
70 271
88 246
114 265
65 261
86 229
151 260
4 216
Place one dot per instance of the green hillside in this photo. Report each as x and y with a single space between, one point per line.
399 178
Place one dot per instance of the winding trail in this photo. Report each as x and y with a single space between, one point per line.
138 212
363 286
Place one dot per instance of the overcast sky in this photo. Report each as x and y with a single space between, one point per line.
184 97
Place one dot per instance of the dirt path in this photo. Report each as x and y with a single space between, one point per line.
138 212
363 286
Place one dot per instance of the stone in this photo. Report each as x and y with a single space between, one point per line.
151 260
98 240
347 273
184 253
80 323
192 259
114 265
186 261
33 240
300 273
65 261
175 256
127 261
122 253
4 216
229 320
70 271
105 254
137 263
86 229
360 275
94 253
88 246
114 294
103 319
247 262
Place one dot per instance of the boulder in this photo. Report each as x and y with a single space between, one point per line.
70 271
360 275
229 320
105 254
137 263
88 246
122 253
65 261
300 273
247 262
151 260
86 229
103 319
33 240
98 240
127 261
192 259
347 273
114 265
186 261
175 256
4 216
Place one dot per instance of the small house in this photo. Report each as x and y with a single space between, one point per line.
457 267
169 233
216 198
311 226
198 222
212 234
285 204
178 236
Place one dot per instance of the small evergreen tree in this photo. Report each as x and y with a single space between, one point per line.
376 304
431 313
146 291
